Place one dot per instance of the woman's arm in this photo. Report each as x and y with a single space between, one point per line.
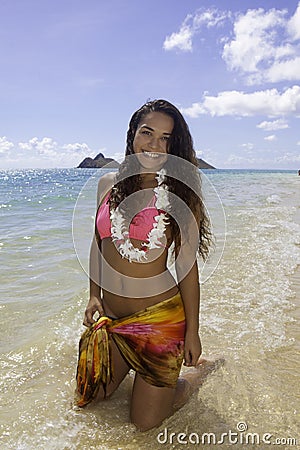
190 293
95 304
188 281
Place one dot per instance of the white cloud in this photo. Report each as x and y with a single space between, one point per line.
5 145
210 18
183 39
293 25
298 143
195 110
265 46
283 71
46 147
288 157
279 124
45 152
77 148
262 47
253 39
270 138
234 103
248 146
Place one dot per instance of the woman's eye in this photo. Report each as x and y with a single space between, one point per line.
165 138
146 132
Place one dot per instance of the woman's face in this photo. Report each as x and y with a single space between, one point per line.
150 142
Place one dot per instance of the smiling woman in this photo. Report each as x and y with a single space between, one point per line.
151 139
148 320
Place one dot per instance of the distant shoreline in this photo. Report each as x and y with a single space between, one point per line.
100 160
216 170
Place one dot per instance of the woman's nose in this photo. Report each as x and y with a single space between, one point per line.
154 143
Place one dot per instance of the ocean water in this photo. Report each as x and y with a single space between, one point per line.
248 314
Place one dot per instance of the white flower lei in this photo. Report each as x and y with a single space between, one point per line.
120 233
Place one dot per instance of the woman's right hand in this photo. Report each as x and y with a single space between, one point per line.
93 306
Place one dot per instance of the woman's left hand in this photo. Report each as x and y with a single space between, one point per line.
192 349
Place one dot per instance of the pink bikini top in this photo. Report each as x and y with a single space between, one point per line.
140 225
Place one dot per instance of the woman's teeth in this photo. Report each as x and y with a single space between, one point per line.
150 154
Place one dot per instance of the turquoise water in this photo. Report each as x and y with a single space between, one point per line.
248 312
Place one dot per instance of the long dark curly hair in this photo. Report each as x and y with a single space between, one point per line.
180 144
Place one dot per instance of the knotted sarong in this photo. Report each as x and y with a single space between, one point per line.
151 341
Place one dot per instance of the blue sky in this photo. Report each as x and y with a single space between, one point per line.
73 72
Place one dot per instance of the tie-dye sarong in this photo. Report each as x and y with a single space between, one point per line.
151 341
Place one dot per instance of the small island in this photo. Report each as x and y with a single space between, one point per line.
100 160
96 163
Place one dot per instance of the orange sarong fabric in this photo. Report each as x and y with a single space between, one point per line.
151 341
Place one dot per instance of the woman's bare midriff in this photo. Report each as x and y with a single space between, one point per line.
131 287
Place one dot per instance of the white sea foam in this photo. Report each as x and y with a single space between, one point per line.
275 199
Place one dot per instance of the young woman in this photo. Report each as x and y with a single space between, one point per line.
148 321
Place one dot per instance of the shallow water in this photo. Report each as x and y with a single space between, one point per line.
248 314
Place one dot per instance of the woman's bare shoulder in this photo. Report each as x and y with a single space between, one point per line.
107 179
105 183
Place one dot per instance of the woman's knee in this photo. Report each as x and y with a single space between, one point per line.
150 405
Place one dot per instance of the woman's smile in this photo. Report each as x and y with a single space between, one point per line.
152 154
